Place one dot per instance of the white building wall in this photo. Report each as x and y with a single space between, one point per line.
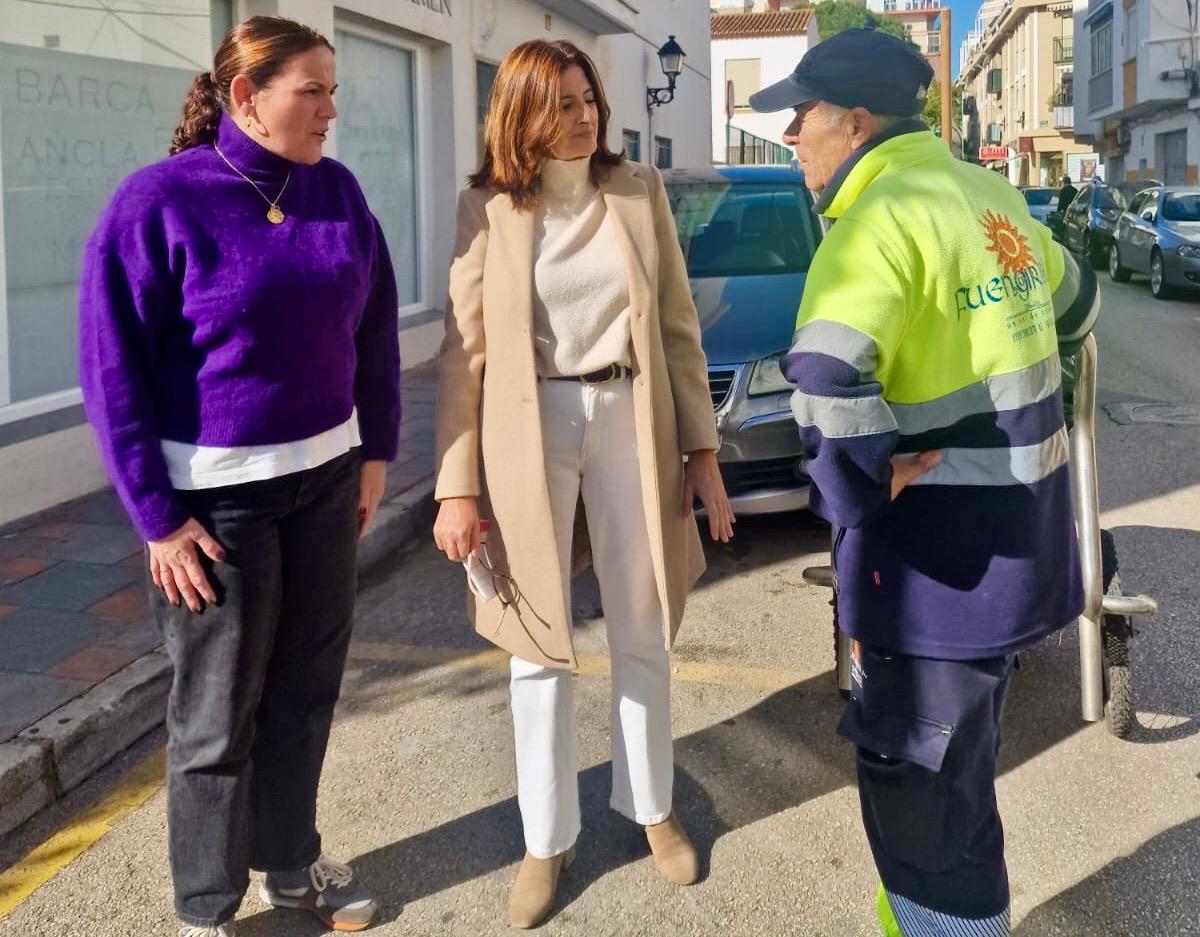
778 57
50 464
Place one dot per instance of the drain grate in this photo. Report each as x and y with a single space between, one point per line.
1173 414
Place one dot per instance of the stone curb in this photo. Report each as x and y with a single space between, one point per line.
65 748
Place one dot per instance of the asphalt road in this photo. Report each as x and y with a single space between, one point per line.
1103 835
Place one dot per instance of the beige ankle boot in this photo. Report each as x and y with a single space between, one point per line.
673 852
534 891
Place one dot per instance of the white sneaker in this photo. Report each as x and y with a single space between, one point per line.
221 930
327 889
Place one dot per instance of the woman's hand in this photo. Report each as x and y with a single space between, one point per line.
456 530
702 479
175 567
370 492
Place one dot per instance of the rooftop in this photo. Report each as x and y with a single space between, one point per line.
770 24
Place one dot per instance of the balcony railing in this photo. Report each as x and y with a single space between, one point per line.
1064 117
745 149
1100 91
1064 50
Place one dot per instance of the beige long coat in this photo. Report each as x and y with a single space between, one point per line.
489 431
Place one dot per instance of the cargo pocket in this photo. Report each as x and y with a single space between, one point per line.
907 801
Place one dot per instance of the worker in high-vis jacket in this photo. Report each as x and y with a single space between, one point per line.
929 401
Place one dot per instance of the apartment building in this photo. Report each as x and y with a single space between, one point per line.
1138 97
919 17
1018 92
983 19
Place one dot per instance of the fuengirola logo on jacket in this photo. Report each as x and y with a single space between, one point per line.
1021 282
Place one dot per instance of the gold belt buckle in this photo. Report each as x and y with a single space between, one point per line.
614 371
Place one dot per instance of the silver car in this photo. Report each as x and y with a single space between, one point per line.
1159 235
1041 201
749 233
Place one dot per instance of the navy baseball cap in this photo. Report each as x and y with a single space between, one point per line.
854 68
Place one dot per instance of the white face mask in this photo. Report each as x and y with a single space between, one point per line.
480 578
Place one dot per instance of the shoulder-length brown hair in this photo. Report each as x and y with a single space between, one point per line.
524 116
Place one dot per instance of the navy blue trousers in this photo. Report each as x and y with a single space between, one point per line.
927 733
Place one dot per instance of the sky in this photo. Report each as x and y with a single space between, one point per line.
962 17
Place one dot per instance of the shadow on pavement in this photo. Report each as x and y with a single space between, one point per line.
780 753
1126 898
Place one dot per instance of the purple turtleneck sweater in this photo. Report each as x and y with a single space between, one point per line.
202 322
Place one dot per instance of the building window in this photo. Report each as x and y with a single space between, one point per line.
995 84
1102 50
86 97
746 75
377 141
889 6
485 77
934 46
632 144
662 152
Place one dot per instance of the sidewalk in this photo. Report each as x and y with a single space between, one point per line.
81 673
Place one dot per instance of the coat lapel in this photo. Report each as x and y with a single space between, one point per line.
628 203
512 235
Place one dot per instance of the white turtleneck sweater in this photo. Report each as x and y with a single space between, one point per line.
580 284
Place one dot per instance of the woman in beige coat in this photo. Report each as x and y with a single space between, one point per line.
572 376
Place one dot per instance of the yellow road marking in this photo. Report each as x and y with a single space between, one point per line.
61 849
758 678
144 780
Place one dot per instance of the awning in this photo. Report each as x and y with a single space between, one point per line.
1100 14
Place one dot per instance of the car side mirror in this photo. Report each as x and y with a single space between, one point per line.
1147 215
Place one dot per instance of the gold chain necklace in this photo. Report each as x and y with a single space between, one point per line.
274 212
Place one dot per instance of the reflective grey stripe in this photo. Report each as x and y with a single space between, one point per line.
992 394
839 341
916 920
1068 289
840 417
1017 465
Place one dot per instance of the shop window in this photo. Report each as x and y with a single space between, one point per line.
632 142
376 139
662 152
86 97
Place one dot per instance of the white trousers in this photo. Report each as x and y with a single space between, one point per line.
591 448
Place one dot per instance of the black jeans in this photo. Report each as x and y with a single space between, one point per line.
256 679
927 733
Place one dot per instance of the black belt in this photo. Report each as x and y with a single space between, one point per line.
614 372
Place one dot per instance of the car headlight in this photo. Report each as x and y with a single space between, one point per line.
1189 250
767 376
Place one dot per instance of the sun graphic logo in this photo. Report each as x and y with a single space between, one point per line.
1009 245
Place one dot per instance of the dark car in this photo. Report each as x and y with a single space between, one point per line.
1090 220
749 233
1160 236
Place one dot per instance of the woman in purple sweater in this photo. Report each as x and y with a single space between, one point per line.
239 361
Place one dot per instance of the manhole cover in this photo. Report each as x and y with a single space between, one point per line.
1175 414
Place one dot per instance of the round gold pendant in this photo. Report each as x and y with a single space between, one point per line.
275 215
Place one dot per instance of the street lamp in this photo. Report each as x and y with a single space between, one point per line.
671 57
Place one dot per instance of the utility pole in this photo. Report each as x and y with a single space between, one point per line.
944 81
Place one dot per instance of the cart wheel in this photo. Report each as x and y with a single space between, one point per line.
1116 630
